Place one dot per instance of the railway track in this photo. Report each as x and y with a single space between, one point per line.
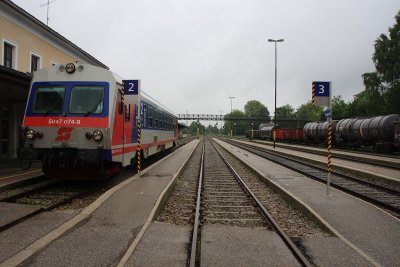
228 200
220 195
392 162
378 194
47 196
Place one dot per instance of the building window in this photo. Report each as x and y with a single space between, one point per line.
9 55
35 63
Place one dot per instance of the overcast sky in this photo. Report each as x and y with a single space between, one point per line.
192 55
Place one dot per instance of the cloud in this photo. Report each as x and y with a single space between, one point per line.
192 55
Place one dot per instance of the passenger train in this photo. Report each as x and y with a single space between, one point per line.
82 125
380 132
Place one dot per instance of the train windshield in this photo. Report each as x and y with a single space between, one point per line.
48 99
87 100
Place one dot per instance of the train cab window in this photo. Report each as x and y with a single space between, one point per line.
48 99
150 118
87 100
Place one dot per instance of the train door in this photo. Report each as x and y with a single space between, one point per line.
128 147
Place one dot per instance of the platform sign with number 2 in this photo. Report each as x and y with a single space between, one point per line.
131 87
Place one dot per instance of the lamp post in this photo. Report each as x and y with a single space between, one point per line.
231 97
275 41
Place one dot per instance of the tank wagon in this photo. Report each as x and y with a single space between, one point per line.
81 125
317 132
380 132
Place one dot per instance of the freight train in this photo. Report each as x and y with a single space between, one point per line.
380 132
82 125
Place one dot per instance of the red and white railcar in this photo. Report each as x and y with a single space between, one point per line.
80 123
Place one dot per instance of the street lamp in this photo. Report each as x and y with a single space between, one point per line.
231 97
275 41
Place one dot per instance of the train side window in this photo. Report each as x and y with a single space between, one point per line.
159 126
145 116
156 119
150 118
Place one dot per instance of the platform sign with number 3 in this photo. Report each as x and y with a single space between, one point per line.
321 93
321 96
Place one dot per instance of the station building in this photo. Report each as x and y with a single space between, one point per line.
26 45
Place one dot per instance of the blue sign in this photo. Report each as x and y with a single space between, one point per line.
321 88
131 87
328 113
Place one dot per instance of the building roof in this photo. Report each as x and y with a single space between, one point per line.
50 32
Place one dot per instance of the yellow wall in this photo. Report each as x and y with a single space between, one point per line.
27 43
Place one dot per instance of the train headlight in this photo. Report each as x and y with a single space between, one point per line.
70 68
30 134
97 135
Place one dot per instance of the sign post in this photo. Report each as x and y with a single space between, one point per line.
321 96
132 89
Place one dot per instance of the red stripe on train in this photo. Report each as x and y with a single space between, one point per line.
99 122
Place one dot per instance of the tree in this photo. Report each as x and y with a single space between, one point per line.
283 116
238 126
384 84
192 130
212 129
256 109
308 112
340 110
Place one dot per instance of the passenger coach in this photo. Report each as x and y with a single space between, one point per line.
81 125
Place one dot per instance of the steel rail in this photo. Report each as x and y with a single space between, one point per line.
337 154
337 175
193 251
49 207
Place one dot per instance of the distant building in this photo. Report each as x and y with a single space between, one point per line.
27 45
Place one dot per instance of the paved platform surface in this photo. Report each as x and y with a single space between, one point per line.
370 230
19 237
162 245
100 235
239 246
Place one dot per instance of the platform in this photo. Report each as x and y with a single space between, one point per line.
101 233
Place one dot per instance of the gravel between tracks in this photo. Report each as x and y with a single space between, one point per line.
180 206
293 221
